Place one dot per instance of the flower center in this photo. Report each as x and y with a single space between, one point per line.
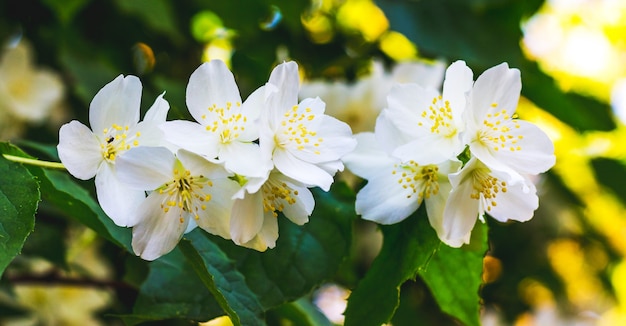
486 187
439 117
496 132
276 195
226 122
185 192
116 141
422 180
295 132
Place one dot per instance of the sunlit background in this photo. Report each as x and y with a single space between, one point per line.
579 231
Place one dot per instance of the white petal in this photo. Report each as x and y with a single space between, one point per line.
286 78
300 211
145 168
245 159
247 218
456 86
459 216
118 200
431 149
384 201
535 154
211 84
301 171
145 133
198 165
499 85
336 141
435 206
158 111
79 150
191 136
266 238
518 203
216 217
367 159
389 136
158 232
116 103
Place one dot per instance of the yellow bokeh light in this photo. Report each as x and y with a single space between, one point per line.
363 16
218 49
397 46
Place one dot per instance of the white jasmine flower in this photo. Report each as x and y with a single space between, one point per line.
430 123
114 118
182 187
225 127
477 190
254 222
494 137
304 143
396 189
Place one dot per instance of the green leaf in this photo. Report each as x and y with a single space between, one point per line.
454 277
301 312
19 197
226 284
172 290
304 256
408 247
487 33
74 201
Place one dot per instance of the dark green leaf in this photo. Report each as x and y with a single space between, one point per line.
73 201
172 291
484 34
218 274
19 197
304 256
454 277
407 248
611 174
301 312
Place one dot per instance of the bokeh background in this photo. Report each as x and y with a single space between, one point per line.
564 267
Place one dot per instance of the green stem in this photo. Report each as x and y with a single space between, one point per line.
35 162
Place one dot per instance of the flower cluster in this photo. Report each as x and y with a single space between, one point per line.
462 151
230 172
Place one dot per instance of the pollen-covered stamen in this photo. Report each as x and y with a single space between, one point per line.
486 188
421 180
276 195
294 131
117 140
186 192
438 117
226 122
496 131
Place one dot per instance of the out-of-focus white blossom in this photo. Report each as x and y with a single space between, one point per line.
359 103
28 94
